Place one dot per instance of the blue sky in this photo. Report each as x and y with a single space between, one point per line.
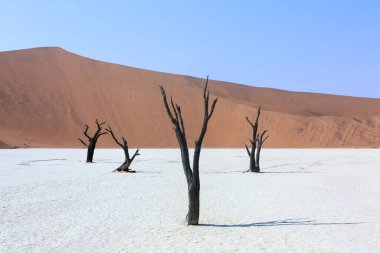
319 46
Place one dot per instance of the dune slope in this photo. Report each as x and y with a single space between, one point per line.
48 94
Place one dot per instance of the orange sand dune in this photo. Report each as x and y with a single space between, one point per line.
48 94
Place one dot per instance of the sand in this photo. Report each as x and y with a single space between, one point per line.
322 200
48 94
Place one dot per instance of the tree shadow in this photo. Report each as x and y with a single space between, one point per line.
261 172
222 172
281 165
288 172
286 222
148 172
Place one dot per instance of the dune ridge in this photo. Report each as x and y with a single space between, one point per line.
48 94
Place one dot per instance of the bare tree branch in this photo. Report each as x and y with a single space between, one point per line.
212 107
258 116
182 126
180 137
100 134
125 167
174 110
92 140
85 131
109 130
249 121
85 144
99 124
166 105
249 152
135 154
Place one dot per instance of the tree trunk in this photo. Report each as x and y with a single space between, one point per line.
90 151
124 145
258 159
91 144
259 143
124 167
192 216
252 159
192 175
252 152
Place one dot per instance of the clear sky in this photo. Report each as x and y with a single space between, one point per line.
327 46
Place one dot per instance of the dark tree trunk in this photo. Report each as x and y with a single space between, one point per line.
192 216
124 145
252 152
124 167
252 158
91 141
192 175
90 151
260 141
258 159
256 144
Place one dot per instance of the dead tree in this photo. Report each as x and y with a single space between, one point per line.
125 167
192 174
252 152
92 140
260 139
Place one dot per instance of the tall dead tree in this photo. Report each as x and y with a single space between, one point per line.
192 174
253 141
260 139
91 143
125 167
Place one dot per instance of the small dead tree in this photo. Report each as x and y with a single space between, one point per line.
253 141
192 174
260 139
92 140
125 167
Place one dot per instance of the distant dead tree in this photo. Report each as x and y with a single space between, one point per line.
125 167
92 140
256 144
192 175
260 139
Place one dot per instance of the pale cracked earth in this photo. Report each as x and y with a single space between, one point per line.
307 200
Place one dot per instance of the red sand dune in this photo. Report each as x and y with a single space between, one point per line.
48 94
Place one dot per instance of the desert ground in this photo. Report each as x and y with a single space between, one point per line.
307 200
